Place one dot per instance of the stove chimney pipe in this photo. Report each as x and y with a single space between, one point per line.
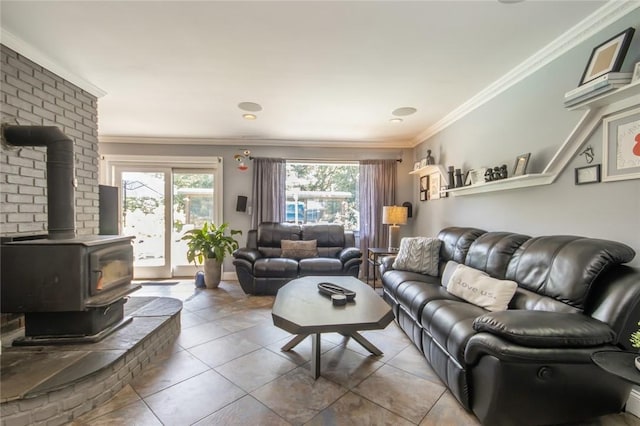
60 176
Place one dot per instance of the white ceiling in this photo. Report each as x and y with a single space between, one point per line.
323 71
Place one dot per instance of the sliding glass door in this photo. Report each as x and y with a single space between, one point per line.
158 205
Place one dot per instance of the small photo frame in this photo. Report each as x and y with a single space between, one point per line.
476 176
520 168
423 195
416 165
423 162
588 174
636 73
620 146
608 56
434 186
467 178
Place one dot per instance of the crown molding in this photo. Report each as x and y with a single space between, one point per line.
254 142
591 25
28 51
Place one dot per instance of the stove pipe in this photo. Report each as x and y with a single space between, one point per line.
60 175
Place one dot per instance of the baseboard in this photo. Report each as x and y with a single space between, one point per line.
229 276
633 403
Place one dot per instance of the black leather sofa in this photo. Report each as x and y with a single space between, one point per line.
530 364
261 269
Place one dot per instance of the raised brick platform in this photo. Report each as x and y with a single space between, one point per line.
52 385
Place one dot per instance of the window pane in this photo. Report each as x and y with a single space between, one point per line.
323 193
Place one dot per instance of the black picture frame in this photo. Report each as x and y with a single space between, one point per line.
608 56
520 167
424 187
588 174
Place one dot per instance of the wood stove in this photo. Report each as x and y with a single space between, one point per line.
69 288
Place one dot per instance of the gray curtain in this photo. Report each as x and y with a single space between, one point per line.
378 179
269 190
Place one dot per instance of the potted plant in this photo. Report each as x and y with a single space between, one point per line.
209 245
635 342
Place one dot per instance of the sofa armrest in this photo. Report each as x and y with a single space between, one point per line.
248 254
386 264
349 253
541 329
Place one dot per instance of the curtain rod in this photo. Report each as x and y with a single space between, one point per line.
317 160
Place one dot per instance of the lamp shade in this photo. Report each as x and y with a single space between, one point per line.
394 215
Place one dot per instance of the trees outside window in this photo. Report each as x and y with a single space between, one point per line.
323 193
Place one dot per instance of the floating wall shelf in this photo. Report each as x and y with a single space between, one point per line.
596 108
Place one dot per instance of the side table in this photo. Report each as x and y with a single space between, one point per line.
618 363
373 255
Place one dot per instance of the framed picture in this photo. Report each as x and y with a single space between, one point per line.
588 174
423 195
416 165
520 167
476 176
636 73
621 146
434 186
424 183
423 162
467 178
608 56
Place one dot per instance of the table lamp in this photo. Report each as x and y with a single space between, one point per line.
394 216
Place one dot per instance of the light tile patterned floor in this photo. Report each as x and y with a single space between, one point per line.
226 368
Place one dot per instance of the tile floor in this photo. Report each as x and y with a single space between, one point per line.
226 368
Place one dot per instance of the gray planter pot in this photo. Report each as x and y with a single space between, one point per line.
212 273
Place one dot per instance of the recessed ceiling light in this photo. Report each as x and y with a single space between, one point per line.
250 106
249 116
401 112
396 120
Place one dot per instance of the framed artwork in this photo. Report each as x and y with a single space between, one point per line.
423 162
416 165
621 146
476 176
588 174
434 186
608 56
520 167
636 73
424 187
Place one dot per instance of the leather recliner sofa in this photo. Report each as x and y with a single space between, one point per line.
261 269
530 364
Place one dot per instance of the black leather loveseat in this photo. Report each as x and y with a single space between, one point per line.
263 266
530 364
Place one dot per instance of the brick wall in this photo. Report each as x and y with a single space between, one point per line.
33 95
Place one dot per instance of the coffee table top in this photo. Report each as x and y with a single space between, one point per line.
300 308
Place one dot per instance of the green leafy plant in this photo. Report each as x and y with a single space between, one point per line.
210 242
635 338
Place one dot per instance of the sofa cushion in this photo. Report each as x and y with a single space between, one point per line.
546 329
450 323
275 267
414 295
492 251
298 249
456 242
320 266
565 267
330 238
419 254
478 288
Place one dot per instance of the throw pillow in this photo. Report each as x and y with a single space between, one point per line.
419 254
449 269
299 249
478 288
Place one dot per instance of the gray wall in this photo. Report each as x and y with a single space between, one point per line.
237 183
32 95
530 117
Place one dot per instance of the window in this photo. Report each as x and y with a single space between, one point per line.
323 193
